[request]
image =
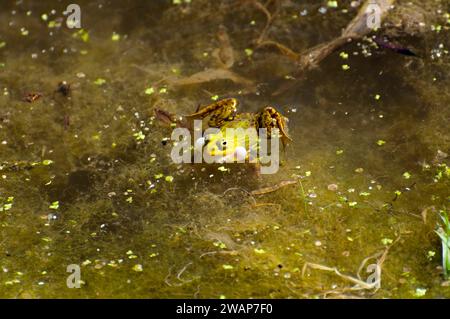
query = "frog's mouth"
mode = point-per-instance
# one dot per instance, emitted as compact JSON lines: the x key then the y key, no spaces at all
{"x":239,"y":155}
{"x":223,"y":150}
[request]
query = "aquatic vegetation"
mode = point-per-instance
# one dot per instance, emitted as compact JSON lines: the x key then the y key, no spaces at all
{"x":87,"y":177}
{"x":444,"y":234}
{"x":6,"y":203}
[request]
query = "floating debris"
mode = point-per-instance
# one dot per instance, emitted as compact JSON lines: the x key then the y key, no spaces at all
{"x":420,"y":292}
{"x":344,"y":55}
{"x":227,"y":267}
{"x":32,"y":97}
{"x":332,"y":4}
{"x":139,"y":136}
{"x":63,"y":88}
{"x":99,"y":81}
{"x":54,"y":205}
{"x":332,"y":187}
{"x":138,"y":268}
{"x":115,"y":36}
{"x":169,"y":179}
{"x":273,"y":188}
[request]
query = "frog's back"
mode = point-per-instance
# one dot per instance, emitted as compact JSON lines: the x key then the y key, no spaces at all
{"x":242,"y":120}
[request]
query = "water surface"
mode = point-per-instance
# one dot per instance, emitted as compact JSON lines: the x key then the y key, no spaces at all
{"x":368,"y":144}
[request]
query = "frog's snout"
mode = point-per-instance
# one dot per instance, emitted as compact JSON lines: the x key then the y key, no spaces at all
{"x":240,"y":154}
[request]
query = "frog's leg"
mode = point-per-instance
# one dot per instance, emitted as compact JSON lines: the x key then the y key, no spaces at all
{"x":219,"y":112}
{"x":270,"y":118}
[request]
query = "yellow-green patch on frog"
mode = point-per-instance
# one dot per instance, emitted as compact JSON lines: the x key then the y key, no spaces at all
{"x":239,"y":132}
{"x":219,"y":112}
{"x":244,"y":136}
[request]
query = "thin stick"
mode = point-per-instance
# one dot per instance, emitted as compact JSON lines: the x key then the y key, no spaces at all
{"x":182,"y":271}
{"x":304,"y":196}
{"x":270,"y":189}
{"x":282,"y":48}
{"x":242,"y":190}
{"x":359,"y":283}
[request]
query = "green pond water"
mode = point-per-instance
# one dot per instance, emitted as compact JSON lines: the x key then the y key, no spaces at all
{"x":88,"y":180}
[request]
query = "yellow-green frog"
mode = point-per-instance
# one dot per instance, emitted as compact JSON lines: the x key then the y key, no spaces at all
{"x":223,"y":115}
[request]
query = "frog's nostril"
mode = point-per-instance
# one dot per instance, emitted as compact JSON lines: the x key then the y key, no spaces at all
{"x":221,"y":145}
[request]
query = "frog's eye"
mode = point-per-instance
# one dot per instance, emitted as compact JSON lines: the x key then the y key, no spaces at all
{"x":221,"y":144}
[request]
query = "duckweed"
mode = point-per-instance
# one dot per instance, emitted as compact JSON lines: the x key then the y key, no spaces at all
{"x":87,"y":178}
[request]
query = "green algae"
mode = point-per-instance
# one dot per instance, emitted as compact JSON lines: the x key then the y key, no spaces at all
{"x":106,"y":195}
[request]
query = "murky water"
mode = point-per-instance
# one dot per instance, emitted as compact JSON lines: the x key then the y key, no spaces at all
{"x":94,"y":184}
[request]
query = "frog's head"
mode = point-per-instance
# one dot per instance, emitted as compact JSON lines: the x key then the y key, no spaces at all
{"x":224,"y":147}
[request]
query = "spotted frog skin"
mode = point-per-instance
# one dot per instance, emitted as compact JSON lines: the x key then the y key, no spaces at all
{"x":223,"y":115}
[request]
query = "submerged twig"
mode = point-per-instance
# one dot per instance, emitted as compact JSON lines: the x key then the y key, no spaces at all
{"x":270,"y":189}
{"x":241,"y":190}
{"x":269,"y":18}
{"x":294,"y":56}
{"x":355,"y":30}
{"x":210,"y":75}
{"x":182,"y":271}
{"x":225,"y":59}
{"x":183,"y":281}
{"x":225,"y":53}
{"x":225,"y":252}
{"x":304,"y":196}
{"x":359,"y":283}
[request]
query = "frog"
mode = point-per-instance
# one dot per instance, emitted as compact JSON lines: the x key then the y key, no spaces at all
{"x":223,"y":115}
